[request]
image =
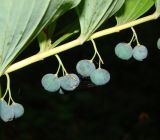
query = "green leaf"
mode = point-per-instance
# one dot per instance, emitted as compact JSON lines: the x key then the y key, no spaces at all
{"x":93,"y":13}
{"x":55,"y":10}
{"x":50,"y":29}
{"x":22,"y":20}
{"x":44,"y":37}
{"x":133,"y":9}
{"x":157,"y":3}
{"x":19,"y":24}
{"x":63,"y":38}
{"x":0,"y":91}
{"x":42,"y":40}
{"x":45,"y":43}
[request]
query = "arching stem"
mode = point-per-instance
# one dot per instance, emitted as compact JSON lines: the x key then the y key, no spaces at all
{"x":135,"y":34}
{"x":61,"y":63}
{"x":58,"y":69}
{"x":132,"y":39}
{"x":8,"y":90}
{"x":96,"y":52}
{"x":99,"y":64}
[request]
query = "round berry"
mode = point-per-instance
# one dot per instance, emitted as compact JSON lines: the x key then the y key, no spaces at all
{"x":50,"y":82}
{"x":85,"y":67}
{"x":158,"y":43}
{"x":123,"y":51}
{"x":100,"y":76}
{"x":69,"y":82}
{"x":18,"y":110}
{"x":6,"y":113}
{"x":140,"y":52}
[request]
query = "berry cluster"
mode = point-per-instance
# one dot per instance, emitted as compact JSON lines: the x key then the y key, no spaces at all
{"x":124,"y":51}
{"x":86,"y":68}
{"x":52,"y":83}
{"x":69,"y":82}
{"x":10,"y":110}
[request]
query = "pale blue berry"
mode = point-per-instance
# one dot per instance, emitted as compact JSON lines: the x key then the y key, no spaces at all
{"x":158,"y":43}
{"x":123,"y":51}
{"x":85,"y":67}
{"x":18,"y":110}
{"x":69,"y":82}
{"x":6,"y":113}
{"x":100,"y":77}
{"x":140,"y":52}
{"x":50,"y":82}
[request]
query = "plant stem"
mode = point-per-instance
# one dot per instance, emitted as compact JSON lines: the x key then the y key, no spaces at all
{"x":132,"y":39}
{"x":96,"y":51}
{"x":8,"y":86}
{"x":124,"y":26}
{"x":58,"y":70}
{"x":135,"y":34}
{"x":61,"y":63}
{"x":8,"y":90}
{"x":76,"y":42}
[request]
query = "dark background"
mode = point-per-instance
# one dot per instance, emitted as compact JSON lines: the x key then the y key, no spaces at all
{"x":127,"y":108}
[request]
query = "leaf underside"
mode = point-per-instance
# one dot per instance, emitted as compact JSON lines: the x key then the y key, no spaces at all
{"x":157,"y":3}
{"x":22,"y":20}
{"x":133,"y":9}
{"x":93,"y":14}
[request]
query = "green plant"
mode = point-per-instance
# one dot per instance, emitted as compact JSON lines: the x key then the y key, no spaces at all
{"x":37,"y":18}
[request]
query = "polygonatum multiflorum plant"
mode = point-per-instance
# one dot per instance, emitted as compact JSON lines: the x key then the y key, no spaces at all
{"x":21,"y":21}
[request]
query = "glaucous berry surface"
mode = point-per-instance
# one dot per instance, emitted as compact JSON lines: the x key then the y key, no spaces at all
{"x":100,"y":77}
{"x":6,"y":113}
{"x":123,"y":51}
{"x":158,"y":43}
{"x":140,"y":52}
{"x":69,"y":82}
{"x":50,"y":82}
{"x":85,"y":67}
{"x":17,"y":109}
